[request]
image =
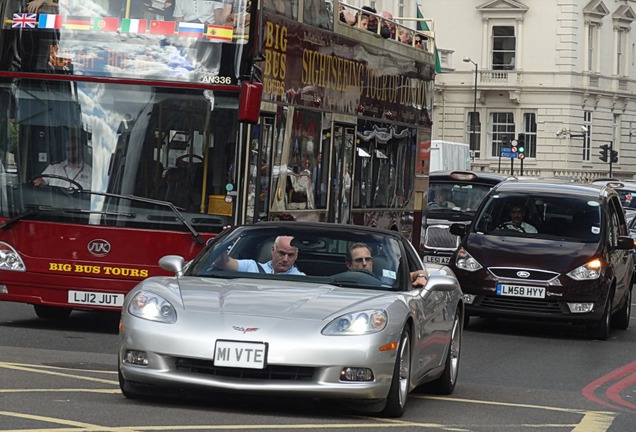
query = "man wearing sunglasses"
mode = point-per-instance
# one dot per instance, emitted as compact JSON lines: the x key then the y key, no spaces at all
{"x":360,"y":258}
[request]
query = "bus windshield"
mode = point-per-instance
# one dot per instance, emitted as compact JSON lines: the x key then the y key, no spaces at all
{"x":147,"y":142}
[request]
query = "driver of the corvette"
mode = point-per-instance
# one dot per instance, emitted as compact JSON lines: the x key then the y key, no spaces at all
{"x":360,"y":258}
{"x":283,"y":260}
{"x":516,"y":223}
{"x":73,"y":168}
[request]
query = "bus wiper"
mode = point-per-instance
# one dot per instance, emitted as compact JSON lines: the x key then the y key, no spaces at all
{"x":45,"y":209}
{"x":197,"y":237}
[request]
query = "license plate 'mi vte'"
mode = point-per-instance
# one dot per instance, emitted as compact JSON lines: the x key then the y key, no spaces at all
{"x":251,"y":355}
{"x":520,"y":291}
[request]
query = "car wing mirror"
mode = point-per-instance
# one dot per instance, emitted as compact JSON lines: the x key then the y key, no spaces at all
{"x":625,"y":243}
{"x":172,"y":263}
{"x":458,"y":229}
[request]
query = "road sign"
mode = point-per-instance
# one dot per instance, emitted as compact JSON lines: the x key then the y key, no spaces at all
{"x":506,"y":153}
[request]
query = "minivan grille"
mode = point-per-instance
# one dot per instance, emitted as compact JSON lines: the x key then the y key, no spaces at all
{"x":521,"y":305}
{"x":439,"y":237}
{"x":511,"y":273}
{"x":270,"y":373}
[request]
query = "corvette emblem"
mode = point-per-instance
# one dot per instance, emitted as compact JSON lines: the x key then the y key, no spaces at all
{"x":523,"y":274}
{"x":245,"y":329}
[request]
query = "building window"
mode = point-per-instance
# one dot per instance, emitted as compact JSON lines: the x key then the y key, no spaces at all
{"x":587,"y":135}
{"x":503,"y":47}
{"x":473,"y":132}
{"x":503,"y":130}
{"x":530,"y":134}
{"x":591,"y":47}
{"x":621,"y":41}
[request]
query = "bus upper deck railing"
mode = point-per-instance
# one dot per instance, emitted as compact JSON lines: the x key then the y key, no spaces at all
{"x":352,"y":16}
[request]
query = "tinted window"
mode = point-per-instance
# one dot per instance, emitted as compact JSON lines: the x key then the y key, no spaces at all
{"x":541,"y":216}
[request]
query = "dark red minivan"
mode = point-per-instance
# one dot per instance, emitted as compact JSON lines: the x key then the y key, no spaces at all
{"x":545,"y":249}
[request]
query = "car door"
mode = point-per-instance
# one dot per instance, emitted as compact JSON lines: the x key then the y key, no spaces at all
{"x":620,"y":259}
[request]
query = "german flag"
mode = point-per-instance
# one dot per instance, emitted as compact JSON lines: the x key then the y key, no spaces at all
{"x":220,"y":33}
{"x":78,"y":23}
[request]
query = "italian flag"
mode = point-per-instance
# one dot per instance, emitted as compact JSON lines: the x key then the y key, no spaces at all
{"x":133,"y":25}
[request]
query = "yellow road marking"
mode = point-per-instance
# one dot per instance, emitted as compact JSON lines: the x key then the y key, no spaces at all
{"x":26,"y":368}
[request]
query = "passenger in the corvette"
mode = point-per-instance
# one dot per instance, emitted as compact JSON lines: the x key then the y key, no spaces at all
{"x":359,"y":258}
{"x":283,"y":260}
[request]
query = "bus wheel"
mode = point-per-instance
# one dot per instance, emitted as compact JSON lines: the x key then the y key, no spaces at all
{"x":52,"y":312}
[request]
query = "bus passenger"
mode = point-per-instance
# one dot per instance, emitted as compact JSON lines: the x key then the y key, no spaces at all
{"x":73,"y":168}
{"x":200,"y":11}
{"x":35,"y":5}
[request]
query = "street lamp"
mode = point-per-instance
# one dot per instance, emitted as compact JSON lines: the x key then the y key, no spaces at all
{"x":473,"y":118}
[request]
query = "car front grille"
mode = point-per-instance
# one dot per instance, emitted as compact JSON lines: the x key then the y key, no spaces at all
{"x":439,"y":237}
{"x":270,"y":373}
{"x":520,"y":305}
{"x":513,"y":273}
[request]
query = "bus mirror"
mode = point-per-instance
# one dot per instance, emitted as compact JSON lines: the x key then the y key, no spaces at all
{"x":250,"y":103}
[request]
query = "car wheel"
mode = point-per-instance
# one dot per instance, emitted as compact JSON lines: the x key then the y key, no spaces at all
{"x":601,"y":329}
{"x":445,"y":384}
{"x":399,"y":391}
{"x":52,"y":312}
{"x":620,"y":320}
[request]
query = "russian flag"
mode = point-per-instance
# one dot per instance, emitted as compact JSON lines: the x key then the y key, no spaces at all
{"x":50,"y":21}
{"x":190,"y":29}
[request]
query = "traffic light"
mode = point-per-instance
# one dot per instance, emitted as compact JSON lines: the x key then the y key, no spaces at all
{"x":604,"y":152}
{"x":614,"y":157}
{"x":521,"y":146}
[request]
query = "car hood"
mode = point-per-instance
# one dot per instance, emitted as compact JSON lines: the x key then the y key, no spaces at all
{"x":551,"y":255}
{"x":281,"y":299}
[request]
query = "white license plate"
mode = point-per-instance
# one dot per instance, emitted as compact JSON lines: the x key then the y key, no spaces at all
{"x":436,"y":259}
{"x":250,"y":355}
{"x":95,"y":298}
{"x":520,"y":291}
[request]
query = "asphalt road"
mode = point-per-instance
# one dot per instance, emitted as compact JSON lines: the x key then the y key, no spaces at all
{"x":514,"y":376}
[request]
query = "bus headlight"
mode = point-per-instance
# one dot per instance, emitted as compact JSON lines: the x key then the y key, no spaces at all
{"x":10,"y":259}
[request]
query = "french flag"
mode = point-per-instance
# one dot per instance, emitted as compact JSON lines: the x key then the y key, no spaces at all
{"x":50,"y":21}
{"x":190,"y":29}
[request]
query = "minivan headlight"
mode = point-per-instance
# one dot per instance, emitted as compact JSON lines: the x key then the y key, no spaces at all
{"x":588,"y":271}
{"x":465,"y":261}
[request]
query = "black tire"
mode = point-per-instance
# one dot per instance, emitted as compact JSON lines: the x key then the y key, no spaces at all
{"x":446,"y":382}
{"x":620,"y":320}
{"x":601,"y":330}
{"x":401,"y":381}
{"x":52,"y":312}
{"x":466,"y":321}
{"x":126,"y":388}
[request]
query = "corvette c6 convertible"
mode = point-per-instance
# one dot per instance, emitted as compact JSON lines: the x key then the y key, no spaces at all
{"x":281,"y":307}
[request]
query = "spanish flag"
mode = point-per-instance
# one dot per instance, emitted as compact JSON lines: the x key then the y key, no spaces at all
{"x":78,"y":23}
{"x":220,"y":33}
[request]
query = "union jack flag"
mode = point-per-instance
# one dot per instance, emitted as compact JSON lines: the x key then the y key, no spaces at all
{"x":24,"y":20}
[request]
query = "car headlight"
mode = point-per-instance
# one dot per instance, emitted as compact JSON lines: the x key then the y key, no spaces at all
{"x":10,"y":259}
{"x":588,"y":271}
{"x":465,"y":261}
{"x":152,"y":307}
{"x":357,"y":323}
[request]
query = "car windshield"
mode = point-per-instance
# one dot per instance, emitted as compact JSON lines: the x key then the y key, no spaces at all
{"x":541,"y":216}
{"x":320,"y":257}
{"x":446,"y":198}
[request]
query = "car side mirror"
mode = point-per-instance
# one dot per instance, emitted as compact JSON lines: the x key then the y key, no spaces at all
{"x":625,"y":243}
{"x":458,"y":229}
{"x":172,"y":263}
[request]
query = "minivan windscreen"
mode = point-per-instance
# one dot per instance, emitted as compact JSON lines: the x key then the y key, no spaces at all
{"x":540,"y":216}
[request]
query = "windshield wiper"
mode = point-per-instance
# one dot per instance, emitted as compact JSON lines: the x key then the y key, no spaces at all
{"x":47,"y":209}
{"x":197,"y":237}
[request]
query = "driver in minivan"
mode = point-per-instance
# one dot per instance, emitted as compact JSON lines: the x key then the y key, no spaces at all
{"x":516,"y":223}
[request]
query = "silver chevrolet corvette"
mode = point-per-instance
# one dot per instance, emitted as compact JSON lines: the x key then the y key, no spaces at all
{"x":282,"y":307}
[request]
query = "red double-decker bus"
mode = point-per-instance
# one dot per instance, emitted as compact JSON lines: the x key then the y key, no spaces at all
{"x":135,"y":129}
